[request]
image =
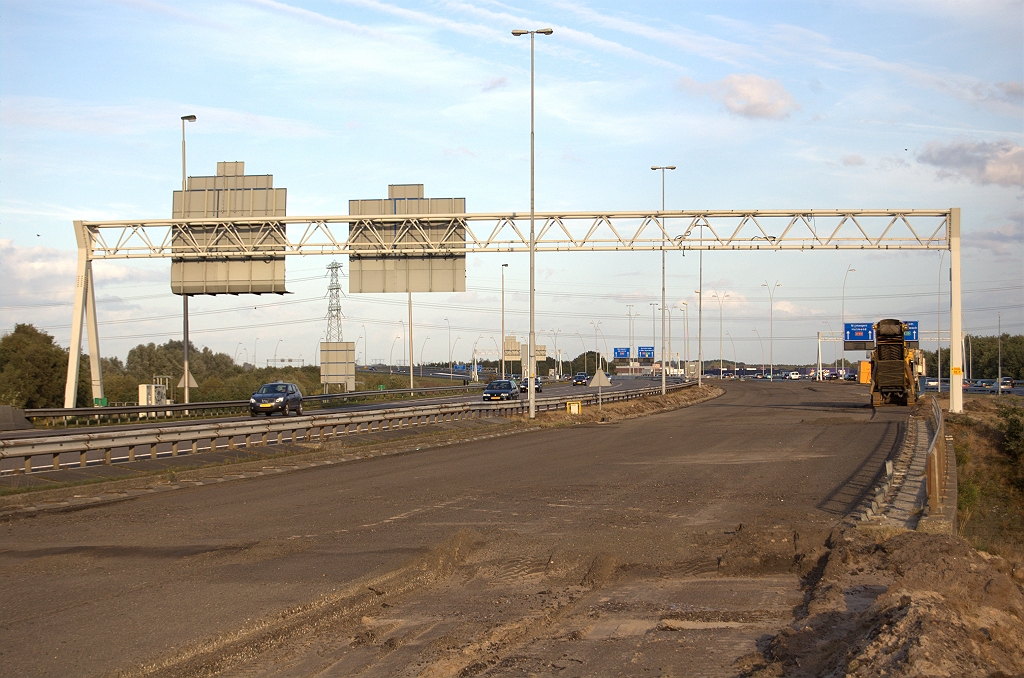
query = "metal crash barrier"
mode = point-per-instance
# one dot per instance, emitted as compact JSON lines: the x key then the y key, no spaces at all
{"x":131,"y":445}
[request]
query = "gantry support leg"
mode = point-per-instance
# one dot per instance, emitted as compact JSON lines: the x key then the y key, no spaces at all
{"x":956,"y":354}
{"x":81,"y":285}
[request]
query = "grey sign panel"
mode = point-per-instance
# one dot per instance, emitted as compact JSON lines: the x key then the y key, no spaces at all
{"x":338,"y":363}
{"x":233,"y":269}
{"x":440,"y":272}
{"x":858,"y":346}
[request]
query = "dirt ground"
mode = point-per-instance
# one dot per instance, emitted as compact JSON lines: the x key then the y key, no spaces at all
{"x":911,"y":604}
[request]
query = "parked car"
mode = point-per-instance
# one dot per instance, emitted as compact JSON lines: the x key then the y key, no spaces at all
{"x":793,"y":375}
{"x":502,"y":389}
{"x":524,"y":386}
{"x":850,"y":377}
{"x":276,"y":397}
{"x":581,"y":379}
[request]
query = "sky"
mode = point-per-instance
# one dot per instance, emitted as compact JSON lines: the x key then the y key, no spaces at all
{"x":760,"y":105}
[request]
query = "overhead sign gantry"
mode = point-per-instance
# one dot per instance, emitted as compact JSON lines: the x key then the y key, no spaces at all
{"x":456,"y":235}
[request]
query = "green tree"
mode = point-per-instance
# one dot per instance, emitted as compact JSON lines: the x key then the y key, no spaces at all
{"x":33,"y":370}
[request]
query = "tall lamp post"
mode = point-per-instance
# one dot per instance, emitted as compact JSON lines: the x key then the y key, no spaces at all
{"x":771,"y":325}
{"x":584,"y":350}
{"x":449,"y":346}
{"x":663,"y":168}
{"x":762,"y":349}
{"x":938,"y":327}
{"x":423,"y":346}
{"x":184,"y":215}
{"x":503,"y":267}
{"x":721,"y":300}
{"x":842,"y":328}
{"x":533,"y":241}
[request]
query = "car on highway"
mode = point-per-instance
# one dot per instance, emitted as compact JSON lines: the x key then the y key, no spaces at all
{"x":278,"y":396}
{"x":580,"y":379}
{"x":524,"y":385}
{"x":1005,"y":384}
{"x":794,"y":375}
{"x":501,"y":389}
{"x":850,"y":376}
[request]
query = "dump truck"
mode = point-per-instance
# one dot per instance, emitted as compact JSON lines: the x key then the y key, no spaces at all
{"x":894,"y":365}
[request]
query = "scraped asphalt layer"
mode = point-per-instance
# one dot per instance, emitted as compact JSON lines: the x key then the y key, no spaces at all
{"x":663,"y":545}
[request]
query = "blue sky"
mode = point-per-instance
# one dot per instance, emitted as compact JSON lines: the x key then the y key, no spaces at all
{"x":896,"y":104}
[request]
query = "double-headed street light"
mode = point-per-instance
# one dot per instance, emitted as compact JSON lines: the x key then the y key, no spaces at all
{"x":663,"y":168}
{"x":849,"y":269}
{"x":771,"y":325}
{"x":502,"y":349}
{"x":533,"y":242}
{"x":721,"y":300}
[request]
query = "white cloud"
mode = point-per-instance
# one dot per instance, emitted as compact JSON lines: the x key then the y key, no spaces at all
{"x":142,"y":118}
{"x":853,"y":160}
{"x":997,"y":162}
{"x":1002,"y":241}
{"x":747,"y":95}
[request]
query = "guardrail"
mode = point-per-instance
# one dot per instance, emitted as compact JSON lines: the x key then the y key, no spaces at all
{"x":940,"y":474}
{"x":317,"y":427}
{"x":53,"y":417}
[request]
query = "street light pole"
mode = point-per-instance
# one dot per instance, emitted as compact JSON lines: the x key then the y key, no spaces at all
{"x":503,"y":267}
{"x":721,"y":300}
{"x":533,"y":240}
{"x":771,"y":325}
{"x":584,"y":350}
{"x":449,"y":347}
{"x":849,"y":269}
{"x":421,"y":354}
{"x":184,"y":215}
{"x":700,"y":308}
{"x":663,"y":168}
{"x":762,"y":349}
{"x":938,"y":327}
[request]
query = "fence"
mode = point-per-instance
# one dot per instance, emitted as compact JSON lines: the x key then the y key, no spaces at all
{"x":940,"y":474}
{"x":176,"y":440}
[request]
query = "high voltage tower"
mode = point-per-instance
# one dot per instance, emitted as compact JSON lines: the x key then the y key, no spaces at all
{"x":334,"y":306}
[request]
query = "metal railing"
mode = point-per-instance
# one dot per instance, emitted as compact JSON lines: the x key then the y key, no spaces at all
{"x":129,"y":445}
{"x":939,"y":478}
{"x":53,"y":417}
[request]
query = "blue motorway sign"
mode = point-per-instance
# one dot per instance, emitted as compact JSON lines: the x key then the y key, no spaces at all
{"x":858,"y":332}
{"x":645,"y":352}
{"x":911,"y":333}
{"x":621,"y":353}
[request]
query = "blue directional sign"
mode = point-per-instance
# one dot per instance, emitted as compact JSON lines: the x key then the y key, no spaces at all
{"x":858,"y":332}
{"x":621,"y":353}
{"x":645,"y":352}
{"x":911,"y":332}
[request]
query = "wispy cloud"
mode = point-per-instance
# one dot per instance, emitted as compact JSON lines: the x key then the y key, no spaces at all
{"x":1002,"y":241}
{"x":999,"y":162}
{"x":853,"y":160}
{"x":747,"y":95}
{"x":141,"y":118}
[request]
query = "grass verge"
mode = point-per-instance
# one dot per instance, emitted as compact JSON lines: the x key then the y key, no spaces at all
{"x":990,"y":474}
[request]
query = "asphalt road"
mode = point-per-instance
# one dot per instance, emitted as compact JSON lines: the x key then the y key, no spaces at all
{"x":497,"y":557}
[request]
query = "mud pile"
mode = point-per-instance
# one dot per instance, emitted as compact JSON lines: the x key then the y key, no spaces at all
{"x":911,"y":604}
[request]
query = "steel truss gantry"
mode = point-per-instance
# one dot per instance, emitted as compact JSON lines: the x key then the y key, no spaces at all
{"x":419,"y":235}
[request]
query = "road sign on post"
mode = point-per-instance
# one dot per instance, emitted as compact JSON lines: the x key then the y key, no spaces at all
{"x":910,"y":335}
{"x":621,"y":353}
{"x":858,"y":337}
{"x":645,"y":352}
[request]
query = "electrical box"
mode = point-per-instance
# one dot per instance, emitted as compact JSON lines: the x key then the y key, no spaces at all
{"x":864,"y":372}
{"x":152,"y":394}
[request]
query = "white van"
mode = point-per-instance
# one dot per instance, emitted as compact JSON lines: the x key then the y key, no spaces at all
{"x":793,"y":375}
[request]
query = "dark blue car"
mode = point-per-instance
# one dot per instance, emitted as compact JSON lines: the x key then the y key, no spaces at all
{"x":501,"y":389}
{"x":277,"y":397}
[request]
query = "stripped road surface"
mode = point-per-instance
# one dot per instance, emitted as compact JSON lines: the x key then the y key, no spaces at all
{"x":662,"y":545}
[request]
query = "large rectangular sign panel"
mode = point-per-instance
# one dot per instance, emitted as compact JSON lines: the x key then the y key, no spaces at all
{"x":440,"y":271}
{"x":910,"y":334}
{"x":338,"y":363}
{"x":643,"y":352}
{"x":858,"y":337}
{"x":621,"y":353}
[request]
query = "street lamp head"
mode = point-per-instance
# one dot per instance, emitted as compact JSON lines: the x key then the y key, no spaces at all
{"x":670,"y":167}
{"x":517,"y":33}
{"x":546,"y":31}
{"x":504,"y":265}
{"x":188,"y":118}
